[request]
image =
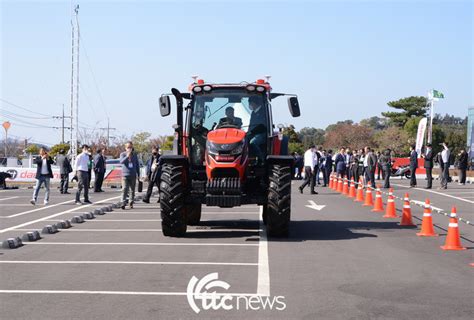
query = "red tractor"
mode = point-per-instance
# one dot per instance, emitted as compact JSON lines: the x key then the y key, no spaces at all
{"x":227,"y":153}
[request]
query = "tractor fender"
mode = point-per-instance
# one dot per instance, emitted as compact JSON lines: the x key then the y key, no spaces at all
{"x":175,"y":159}
{"x":279,"y":159}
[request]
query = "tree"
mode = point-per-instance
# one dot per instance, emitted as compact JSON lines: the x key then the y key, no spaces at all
{"x":296,"y":147}
{"x":410,"y":107}
{"x":332,"y":126}
{"x":32,"y":149}
{"x":309,"y":136}
{"x":393,"y":138}
{"x":168,"y":143}
{"x":375,"y":123}
{"x":141,"y":143}
{"x":55,"y":149}
{"x":291,"y":133}
{"x":348,"y":135}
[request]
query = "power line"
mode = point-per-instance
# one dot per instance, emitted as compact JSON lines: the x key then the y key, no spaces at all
{"x":23,"y":116}
{"x":23,"y":108}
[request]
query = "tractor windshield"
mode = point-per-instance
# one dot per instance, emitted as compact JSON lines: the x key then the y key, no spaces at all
{"x":227,"y":108}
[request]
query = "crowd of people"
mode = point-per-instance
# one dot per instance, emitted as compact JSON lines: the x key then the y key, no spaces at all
{"x":366,"y":163}
{"x":86,"y":163}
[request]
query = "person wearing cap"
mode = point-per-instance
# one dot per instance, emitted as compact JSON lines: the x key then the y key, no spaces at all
{"x":256,"y":134}
{"x":428,"y":156}
{"x":153,"y":173}
{"x":310,"y":161}
{"x":64,"y":170}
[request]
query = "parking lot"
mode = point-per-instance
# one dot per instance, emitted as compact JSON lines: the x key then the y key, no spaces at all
{"x":340,"y":262}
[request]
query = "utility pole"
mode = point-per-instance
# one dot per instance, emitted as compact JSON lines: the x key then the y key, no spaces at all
{"x":62,"y":124}
{"x":74,"y":82}
{"x":108,"y":131}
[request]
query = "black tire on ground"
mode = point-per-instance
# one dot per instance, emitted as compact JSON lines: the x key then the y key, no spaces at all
{"x":193,"y":214}
{"x":172,"y":188}
{"x":279,"y":201}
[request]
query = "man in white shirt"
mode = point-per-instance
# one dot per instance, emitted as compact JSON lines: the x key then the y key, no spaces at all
{"x":310,"y":162}
{"x":445,"y":155}
{"x":82,"y":173}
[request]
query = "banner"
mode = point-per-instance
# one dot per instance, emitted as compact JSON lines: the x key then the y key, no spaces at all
{"x":420,"y":135}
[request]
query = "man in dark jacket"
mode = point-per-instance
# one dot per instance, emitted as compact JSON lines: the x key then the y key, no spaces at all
{"x":64,"y":170}
{"x":462,"y":166}
{"x":340,"y":163}
{"x":153,"y":173}
{"x":385,"y":163}
{"x":130,"y":174}
{"x":257,"y":128}
{"x":370,"y":164}
{"x":328,"y":164}
{"x":413,"y":165}
{"x":99,"y":170}
{"x":428,"y":156}
{"x":43,"y":175}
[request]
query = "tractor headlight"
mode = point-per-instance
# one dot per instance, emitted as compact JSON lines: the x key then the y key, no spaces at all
{"x":238,"y":148}
{"x":212,"y":147}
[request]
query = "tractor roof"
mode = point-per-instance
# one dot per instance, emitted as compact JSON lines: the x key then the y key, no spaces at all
{"x":243,"y":84}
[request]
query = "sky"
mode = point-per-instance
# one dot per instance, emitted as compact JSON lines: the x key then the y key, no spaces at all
{"x":344,"y":59}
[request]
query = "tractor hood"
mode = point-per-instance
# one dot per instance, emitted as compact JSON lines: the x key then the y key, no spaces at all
{"x":226,"y":136}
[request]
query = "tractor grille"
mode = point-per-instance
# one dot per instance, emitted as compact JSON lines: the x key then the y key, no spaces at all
{"x":224,"y":186}
{"x":225,"y":173}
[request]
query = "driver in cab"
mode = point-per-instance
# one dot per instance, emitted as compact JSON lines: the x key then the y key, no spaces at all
{"x":230,"y":119}
{"x":257,"y":128}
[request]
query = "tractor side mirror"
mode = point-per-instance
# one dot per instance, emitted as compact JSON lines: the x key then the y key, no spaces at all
{"x":165,"y":106}
{"x":294,"y":107}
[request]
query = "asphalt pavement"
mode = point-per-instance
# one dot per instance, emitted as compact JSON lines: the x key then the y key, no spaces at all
{"x":341,"y":261}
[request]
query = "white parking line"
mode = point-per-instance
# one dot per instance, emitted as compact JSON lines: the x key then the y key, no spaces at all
{"x":436,"y":192}
{"x":54,"y":215}
{"x":114,"y":220}
{"x":38,"y":209}
{"x":130,"y":293}
{"x":147,"y":230}
{"x":263,"y":283}
{"x":9,"y":198}
{"x":206,"y":244}
{"x":133,"y":262}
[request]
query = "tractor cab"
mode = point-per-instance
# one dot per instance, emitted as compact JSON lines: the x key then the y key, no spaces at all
{"x":226,"y":146}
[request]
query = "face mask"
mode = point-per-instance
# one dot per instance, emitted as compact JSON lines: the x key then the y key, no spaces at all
{"x":155,"y":153}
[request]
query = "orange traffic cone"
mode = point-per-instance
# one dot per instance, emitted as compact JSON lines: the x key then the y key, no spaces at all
{"x":345,"y":187}
{"x":427,"y":229}
{"x":339,"y":185}
{"x":352,"y":190}
{"x":378,"y":206}
{"x":369,"y":201}
{"x":330,"y":181}
{"x":391,"y":211}
{"x":453,"y":240}
{"x":360,"y":192}
{"x":406,"y":213}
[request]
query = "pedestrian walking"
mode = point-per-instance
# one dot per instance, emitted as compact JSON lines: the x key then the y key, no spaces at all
{"x":309,"y":166}
{"x":99,"y":170}
{"x":153,"y":173}
{"x":428,"y":156}
{"x":316,"y":167}
{"x":385,"y":163}
{"x":82,"y":174}
{"x":43,"y":175}
{"x":130,"y":174}
{"x":445,"y":156}
{"x":319,"y":154}
{"x":65,"y":169}
{"x":413,"y":166}
{"x":462,"y":166}
{"x":328,"y":165}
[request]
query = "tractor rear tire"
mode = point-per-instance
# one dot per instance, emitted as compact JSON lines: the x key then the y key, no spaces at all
{"x":172,"y":189}
{"x":279,"y":201}
{"x":193,"y":214}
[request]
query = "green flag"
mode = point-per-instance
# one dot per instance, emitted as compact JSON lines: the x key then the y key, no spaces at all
{"x":438,"y":94}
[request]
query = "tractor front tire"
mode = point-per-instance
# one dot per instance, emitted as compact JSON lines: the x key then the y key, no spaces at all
{"x":278,"y":210}
{"x":193,"y":214}
{"x":172,"y":189}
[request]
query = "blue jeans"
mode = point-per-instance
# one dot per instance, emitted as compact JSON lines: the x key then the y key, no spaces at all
{"x":39,"y":182}
{"x":255,"y":146}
